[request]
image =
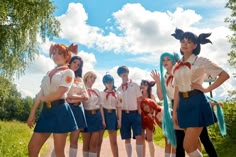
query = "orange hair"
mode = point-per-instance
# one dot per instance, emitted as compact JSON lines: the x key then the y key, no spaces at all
{"x":67,"y":51}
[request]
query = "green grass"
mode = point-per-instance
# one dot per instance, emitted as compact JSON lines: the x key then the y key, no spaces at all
{"x":14,"y":138}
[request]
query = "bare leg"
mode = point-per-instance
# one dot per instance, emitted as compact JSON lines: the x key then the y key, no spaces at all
{"x":86,"y":139}
{"x":93,"y":143}
{"x":59,"y":144}
{"x":36,"y":142}
{"x":150,"y":142}
{"x":100,"y":139}
{"x":113,"y":143}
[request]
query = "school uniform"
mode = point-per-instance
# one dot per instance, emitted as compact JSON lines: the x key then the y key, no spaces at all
{"x":110,"y":102}
{"x":78,"y":88}
{"x":56,"y":116}
{"x":194,"y":110}
{"x":92,"y":111}
{"x":130,"y":116}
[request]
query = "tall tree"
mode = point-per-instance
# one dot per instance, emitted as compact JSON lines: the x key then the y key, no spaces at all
{"x":232,"y":39}
{"x":21,"y":22}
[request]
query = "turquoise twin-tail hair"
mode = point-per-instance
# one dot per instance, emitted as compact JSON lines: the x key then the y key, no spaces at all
{"x":220,"y":116}
{"x":167,"y":123}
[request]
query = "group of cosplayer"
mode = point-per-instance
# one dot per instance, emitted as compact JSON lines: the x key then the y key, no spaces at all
{"x":71,"y":104}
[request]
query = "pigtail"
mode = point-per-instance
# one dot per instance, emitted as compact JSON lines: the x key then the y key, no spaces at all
{"x":73,"y":49}
{"x":202,"y":38}
{"x":178,"y":34}
{"x":220,"y":117}
{"x":152,"y":83}
{"x":167,"y":123}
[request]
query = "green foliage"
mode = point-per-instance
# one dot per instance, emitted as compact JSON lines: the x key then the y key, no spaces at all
{"x":225,"y":145}
{"x":21,"y":21}
{"x":12,"y":105}
{"x":14,"y":139}
{"x":232,"y":26}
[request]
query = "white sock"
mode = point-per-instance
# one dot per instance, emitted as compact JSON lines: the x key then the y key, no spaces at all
{"x":128,"y":148}
{"x":195,"y":153}
{"x":73,"y":152}
{"x":139,"y":150}
{"x":173,"y":155}
{"x":92,"y":154}
{"x":53,"y":153}
{"x":151,"y":148}
{"x":85,"y":154}
{"x":167,"y":154}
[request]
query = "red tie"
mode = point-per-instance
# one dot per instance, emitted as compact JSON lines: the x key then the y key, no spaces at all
{"x":55,"y":70}
{"x":169,"y":79}
{"x":90,"y":91}
{"x":124,"y":86}
{"x":179,"y":64}
{"x":112,"y":93}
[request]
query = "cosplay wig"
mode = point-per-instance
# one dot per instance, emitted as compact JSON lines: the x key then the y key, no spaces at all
{"x":122,"y":69}
{"x":107,"y":79}
{"x":67,"y":51}
{"x":79,"y":71}
{"x":150,"y":84}
{"x":201,"y":39}
{"x":87,"y":75}
{"x":167,"y":123}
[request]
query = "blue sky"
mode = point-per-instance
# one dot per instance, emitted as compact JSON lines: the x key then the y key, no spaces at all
{"x":132,"y":33}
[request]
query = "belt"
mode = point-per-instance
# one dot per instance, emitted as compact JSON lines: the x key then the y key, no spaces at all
{"x":109,"y":110}
{"x":75,"y":104}
{"x":92,"y":111}
{"x":129,"y":111}
{"x":54,"y":103}
{"x":189,"y":93}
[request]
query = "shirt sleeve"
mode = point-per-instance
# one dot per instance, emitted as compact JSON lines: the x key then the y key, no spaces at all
{"x":210,"y":67}
{"x":67,"y":78}
{"x":138,"y":91}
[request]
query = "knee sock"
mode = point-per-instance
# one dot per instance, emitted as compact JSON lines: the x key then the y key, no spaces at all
{"x":151,"y":148}
{"x":167,"y":154}
{"x":173,"y":155}
{"x":92,"y":154}
{"x":53,"y":153}
{"x":85,"y":154}
{"x":139,"y":150}
{"x":195,"y":153}
{"x":128,"y":148}
{"x":73,"y":152}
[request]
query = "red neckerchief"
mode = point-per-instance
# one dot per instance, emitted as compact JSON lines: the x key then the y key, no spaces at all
{"x":90,"y":91}
{"x":112,"y":93}
{"x":179,"y":64}
{"x":55,"y":70}
{"x":169,"y":79}
{"x":125,"y":85}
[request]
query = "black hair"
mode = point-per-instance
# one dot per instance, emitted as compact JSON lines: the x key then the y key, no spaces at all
{"x":80,"y":69}
{"x":122,"y":69}
{"x":201,"y":39}
{"x":150,"y":84}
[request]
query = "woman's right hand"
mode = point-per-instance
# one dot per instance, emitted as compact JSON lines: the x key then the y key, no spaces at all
{"x":175,"y":119}
{"x":31,"y":120}
{"x":156,"y":76}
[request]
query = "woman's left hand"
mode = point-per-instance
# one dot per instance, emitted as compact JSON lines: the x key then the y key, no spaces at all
{"x":199,"y":87}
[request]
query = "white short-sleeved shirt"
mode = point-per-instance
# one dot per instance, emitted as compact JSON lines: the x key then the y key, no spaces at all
{"x":200,"y":66}
{"x":169,"y":87}
{"x":78,"y":87}
{"x":94,"y":100}
{"x":62,"y":78}
{"x":130,"y":96}
{"x":110,"y":101}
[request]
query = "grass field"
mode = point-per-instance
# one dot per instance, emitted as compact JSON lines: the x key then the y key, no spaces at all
{"x":14,"y":139}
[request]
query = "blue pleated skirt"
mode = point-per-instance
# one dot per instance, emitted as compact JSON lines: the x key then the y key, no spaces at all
{"x":94,"y":122}
{"x":57,"y":119}
{"x":111,"y":120}
{"x":195,"y":111}
{"x":78,"y":112}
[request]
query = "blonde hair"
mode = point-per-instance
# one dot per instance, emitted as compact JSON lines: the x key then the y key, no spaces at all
{"x":87,"y":75}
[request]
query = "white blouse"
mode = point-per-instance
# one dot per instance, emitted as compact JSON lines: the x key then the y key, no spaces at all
{"x":94,"y":100}
{"x":78,"y":87}
{"x":169,"y":87}
{"x":62,"y":78}
{"x":185,"y":76}
{"x":111,"y":100}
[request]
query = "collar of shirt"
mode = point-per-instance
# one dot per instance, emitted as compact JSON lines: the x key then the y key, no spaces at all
{"x":191,"y":59}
